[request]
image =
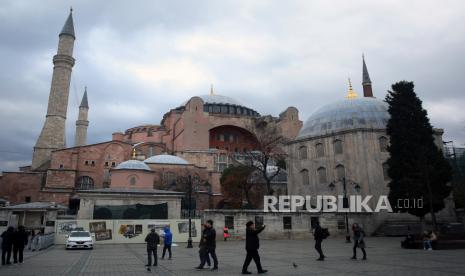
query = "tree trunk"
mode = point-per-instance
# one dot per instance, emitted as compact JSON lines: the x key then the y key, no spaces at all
{"x":422,"y":224}
{"x":430,"y":195}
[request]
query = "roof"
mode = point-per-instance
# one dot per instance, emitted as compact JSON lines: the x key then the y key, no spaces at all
{"x":68,"y":28}
{"x":36,"y":205}
{"x":133,"y":165}
{"x":130,"y":191}
{"x":166,"y":159}
{"x":366,"y":76}
{"x":348,"y":114}
{"x":84,"y":102}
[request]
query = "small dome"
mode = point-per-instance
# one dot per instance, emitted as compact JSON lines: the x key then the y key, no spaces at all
{"x":166,"y":159}
{"x":348,"y":114}
{"x":133,"y":165}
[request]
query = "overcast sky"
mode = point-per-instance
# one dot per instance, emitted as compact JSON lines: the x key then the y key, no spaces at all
{"x":141,"y":58}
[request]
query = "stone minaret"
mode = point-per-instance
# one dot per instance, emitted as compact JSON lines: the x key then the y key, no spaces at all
{"x":366,"y":82}
{"x":52,"y":136}
{"x":82,"y":123}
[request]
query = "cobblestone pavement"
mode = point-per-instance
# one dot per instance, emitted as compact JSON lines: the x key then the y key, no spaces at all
{"x":385,"y":257}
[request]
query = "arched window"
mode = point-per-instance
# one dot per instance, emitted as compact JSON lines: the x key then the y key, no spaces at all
{"x":303,"y":152}
{"x":320,"y":150}
{"x":304,"y":176}
{"x":132,"y":180}
{"x":340,"y":171}
{"x":383,"y":143}
{"x":338,"y":147}
{"x":385,"y":171}
{"x":321,"y":172}
{"x":84,"y":183}
{"x":169,"y":178}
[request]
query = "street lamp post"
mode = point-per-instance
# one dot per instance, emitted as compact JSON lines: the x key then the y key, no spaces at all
{"x":189,"y":240}
{"x":345,"y":203}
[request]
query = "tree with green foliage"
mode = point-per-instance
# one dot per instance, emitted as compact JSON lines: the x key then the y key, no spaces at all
{"x":416,"y":166}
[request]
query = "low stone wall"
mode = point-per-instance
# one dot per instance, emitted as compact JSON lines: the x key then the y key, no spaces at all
{"x":300,"y":223}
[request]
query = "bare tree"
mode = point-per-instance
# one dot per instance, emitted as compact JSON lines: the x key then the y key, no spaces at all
{"x":268,"y":158}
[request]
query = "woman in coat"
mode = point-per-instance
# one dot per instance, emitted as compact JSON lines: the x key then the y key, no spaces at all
{"x":359,"y":241}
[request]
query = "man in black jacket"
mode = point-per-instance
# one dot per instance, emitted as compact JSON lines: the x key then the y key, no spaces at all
{"x":252,"y":243}
{"x":210,"y":242}
{"x":318,"y":234}
{"x":19,"y":241}
{"x":7,"y":243}
{"x":152,"y":241}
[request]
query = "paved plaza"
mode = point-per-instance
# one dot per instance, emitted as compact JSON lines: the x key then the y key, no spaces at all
{"x":385,"y":257}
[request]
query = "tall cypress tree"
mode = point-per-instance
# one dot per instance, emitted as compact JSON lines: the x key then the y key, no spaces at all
{"x":416,"y":166}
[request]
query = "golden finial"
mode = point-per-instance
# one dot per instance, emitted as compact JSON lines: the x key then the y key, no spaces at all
{"x":211,"y":90}
{"x":134,"y":153}
{"x":352,"y":94}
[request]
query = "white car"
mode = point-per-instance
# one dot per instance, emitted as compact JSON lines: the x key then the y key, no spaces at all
{"x":79,"y":239}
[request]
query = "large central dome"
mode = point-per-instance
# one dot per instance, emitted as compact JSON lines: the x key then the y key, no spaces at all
{"x":219,"y":104}
{"x":219,"y":99}
{"x":348,"y":114}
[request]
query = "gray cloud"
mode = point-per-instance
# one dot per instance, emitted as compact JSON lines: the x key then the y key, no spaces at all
{"x":141,"y":59}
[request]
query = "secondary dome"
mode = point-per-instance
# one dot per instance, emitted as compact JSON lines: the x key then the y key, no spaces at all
{"x":348,"y":114}
{"x":166,"y":159}
{"x":133,"y":165}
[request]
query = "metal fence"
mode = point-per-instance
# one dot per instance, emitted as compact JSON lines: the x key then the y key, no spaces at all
{"x":39,"y":242}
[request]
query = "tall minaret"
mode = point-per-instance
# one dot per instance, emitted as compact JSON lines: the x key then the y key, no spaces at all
{"x":52,"y":136}
{"x":82,"y":123}
{"x":366,"y":82}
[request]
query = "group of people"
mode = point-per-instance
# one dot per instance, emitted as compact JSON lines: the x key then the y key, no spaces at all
{"x":207,"y":245}
{"x":13,"y":240}
{"x":152,"y":240}
{"x":358,"y":237}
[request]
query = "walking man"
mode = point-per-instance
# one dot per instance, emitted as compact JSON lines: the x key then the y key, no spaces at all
{"x":19,"y":242}
{"x":318,"y":235}
{"x":209,"y":237}
{"x":7,"y":243}
{"x":203,"y":254}
{"x":359,"y":241}
{"x":152,"y":241}
{"x":168,"y":240}
{"x":252,"y":243}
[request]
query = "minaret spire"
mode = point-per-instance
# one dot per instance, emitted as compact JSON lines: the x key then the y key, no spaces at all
{"x":53,"y":136}
{"x":82,"y":122}
{"x":366,"y":81}
{"x":211,"y":90}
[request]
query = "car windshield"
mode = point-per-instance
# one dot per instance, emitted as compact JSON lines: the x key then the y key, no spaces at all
{"x":80,"y":234}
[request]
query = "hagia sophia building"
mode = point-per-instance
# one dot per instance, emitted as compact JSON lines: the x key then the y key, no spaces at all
{"x":345,"y":139}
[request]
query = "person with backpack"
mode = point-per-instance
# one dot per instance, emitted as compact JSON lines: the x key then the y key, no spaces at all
{"x":359,"y":241}
{"x":152,"y":240}
{"x":320,"y":234}
{"x":168,"y":240}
